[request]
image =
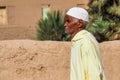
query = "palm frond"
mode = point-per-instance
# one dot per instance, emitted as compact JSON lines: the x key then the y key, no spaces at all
{"x":52,"y":27}
{"x":114,"y":10}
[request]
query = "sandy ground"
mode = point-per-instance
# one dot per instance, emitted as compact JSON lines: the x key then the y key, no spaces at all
{"x":49,"y":60}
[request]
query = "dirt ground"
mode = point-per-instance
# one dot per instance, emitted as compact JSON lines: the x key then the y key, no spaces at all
{"x":49,"y":60}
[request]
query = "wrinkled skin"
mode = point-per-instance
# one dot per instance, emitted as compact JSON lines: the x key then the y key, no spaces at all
{"x":72,"y":25}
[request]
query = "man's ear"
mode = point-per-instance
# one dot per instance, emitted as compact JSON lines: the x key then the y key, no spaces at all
{"x":80,"y":23}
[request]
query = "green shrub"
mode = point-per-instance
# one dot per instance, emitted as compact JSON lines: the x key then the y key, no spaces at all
{"x":52,"y":27}
{"x":102,"y":29}
{"x":104,"y":19}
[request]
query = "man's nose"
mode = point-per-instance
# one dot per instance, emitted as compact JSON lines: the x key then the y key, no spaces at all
{"x":65,"y":24}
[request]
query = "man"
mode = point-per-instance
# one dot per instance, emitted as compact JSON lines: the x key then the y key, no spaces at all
{"x":86,"y":63}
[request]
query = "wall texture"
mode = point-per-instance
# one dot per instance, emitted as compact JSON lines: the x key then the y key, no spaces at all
{"x":49,"y":60}
{"x":22,"y":14}
{"x":28,"y":12}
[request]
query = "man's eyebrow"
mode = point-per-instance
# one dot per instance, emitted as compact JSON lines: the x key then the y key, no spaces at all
{"x":67,"y":20}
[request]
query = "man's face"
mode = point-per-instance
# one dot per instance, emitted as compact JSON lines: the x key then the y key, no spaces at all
{"x":71,"y":25}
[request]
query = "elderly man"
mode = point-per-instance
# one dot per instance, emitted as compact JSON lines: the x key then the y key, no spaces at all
{"x":86,"y":62}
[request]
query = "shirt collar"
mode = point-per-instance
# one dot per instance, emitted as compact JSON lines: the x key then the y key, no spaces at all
{"x":79,"y":35}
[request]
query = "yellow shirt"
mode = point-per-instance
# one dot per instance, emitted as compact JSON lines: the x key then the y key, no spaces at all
{"x":86,"y":62}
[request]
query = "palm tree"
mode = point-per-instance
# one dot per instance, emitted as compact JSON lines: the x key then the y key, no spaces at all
{"x":104,"y":19}
{"x":52,"y":27}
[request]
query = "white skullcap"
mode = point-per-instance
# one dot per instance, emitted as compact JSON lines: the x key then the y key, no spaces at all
{"x":78,"y":13}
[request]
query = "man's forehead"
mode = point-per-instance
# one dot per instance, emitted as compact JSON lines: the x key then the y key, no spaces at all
{"x":68,"y":17}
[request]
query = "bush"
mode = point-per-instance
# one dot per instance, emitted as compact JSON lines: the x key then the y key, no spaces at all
{"x":104,"y":19}
{"x":102,"y":30}
{"x":52,"y":27}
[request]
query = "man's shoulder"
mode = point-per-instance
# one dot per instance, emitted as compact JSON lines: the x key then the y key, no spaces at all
{"x":86,"y":41}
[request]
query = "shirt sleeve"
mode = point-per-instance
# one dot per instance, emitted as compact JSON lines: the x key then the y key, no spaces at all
{"x":90,"y":62}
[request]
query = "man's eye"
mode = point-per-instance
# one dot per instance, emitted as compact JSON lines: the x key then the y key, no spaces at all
{"x":67,"y":21}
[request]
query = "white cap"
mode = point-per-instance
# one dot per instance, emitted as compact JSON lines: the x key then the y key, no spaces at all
{"x":78,"y":13}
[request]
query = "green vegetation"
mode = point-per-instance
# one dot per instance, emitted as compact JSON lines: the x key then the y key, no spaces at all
{"x":104,"y":22}
{"x":52,"y":27}
{"x":104,"y":19}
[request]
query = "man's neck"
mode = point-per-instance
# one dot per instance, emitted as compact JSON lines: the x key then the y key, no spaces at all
{"x":75,"y":33}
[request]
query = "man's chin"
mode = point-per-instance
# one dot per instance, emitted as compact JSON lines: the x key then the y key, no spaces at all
{"x":67,"y":32}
